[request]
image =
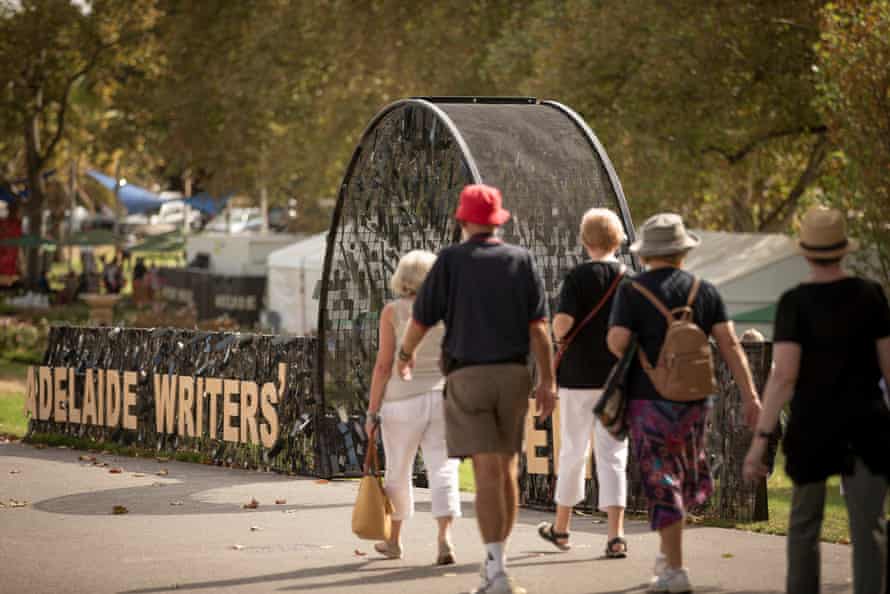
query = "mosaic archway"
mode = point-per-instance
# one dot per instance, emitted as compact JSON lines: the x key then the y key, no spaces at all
{"x":400,"y":192}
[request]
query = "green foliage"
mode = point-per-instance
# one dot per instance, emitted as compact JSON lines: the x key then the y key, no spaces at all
{"x":854,"y":58}
{"x":22,"y":342}
{"x":735,"y":114}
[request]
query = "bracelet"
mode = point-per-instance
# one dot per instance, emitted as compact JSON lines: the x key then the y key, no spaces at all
{"x":403,"y":356}
{"x":374,"y":417}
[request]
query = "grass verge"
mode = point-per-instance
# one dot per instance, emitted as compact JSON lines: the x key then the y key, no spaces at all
{"x":12,"y":416}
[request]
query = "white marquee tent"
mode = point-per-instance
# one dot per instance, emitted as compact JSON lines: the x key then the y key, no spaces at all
{"x":751,"y":271}
{"x":294,"y":276}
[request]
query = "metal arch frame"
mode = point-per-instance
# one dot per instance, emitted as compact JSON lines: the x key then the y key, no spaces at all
{"x":600,"y":150}
{"x":338,"y":210}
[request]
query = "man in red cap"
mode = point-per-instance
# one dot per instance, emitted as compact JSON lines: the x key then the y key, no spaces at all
{"x":493,"y":303}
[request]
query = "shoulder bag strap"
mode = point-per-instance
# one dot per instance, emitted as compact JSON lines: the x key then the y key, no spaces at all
{"x":568,"y":340}
{"x":372,"y":464}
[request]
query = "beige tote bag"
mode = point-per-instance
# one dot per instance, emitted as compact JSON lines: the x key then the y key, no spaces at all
{"x":372,"y":514}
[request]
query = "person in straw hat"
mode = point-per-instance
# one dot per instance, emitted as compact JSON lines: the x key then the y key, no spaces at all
{"x":832,"y":345}
{"x":668,"y":436}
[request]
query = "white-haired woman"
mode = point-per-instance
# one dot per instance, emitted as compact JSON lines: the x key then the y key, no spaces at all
{"x":411,"y":414}
{"x":585,"y":301}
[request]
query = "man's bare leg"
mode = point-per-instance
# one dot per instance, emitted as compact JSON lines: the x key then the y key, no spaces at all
{"x":491,"y":513}
{"x":511,"y":492}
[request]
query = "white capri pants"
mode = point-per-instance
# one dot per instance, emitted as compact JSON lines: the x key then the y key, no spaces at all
{"x":407,"y":424}
{"x":575,"y":419}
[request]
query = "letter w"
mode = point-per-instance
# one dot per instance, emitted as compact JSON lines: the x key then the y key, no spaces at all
{"x":165,"y":403}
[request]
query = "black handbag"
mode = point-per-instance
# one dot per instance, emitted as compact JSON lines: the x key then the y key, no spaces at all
{"x":611,"y":408}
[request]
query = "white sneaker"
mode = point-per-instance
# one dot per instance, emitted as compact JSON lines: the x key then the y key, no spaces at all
{"x":673,"y":581}
{"x":660,"y":565}
{"x":499,"y":584}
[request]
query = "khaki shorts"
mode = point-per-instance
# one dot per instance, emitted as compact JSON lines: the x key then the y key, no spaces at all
{"x":485,"y":408}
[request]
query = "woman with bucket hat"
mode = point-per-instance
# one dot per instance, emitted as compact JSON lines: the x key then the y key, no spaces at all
{"x":831,"y":348}
{"x":667,"y":435}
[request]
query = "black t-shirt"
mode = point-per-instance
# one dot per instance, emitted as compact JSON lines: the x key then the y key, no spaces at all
{"x":633,"y":311}
{"x":587,"y":361}
{"x":488,"y":293}
{"x":837,"y":410}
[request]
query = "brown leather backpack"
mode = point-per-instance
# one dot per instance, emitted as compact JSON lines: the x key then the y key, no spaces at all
{"x":685,"y":368}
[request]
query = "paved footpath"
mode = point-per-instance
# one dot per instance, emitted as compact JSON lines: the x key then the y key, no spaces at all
{"x":187,"y":531}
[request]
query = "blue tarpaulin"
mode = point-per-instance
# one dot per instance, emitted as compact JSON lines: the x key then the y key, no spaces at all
{"x":11,"y":194}
{"x":207,"y":203}
{"x":134,"y":198}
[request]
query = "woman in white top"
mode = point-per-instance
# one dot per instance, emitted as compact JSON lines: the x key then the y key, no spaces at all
{"x":411,"y":414}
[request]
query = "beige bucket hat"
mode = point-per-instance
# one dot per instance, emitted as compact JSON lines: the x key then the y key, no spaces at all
{"x":664,"y":234}
{"x":823,"y":234}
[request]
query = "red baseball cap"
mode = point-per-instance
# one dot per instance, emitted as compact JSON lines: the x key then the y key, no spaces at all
{"x":481,"y":204}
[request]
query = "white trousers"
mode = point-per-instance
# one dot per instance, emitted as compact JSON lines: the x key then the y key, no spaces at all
{"x":408,"y":424}
{"x":575,"y":420}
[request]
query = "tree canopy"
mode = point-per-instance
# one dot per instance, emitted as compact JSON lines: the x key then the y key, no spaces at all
{"x":733,"y":113}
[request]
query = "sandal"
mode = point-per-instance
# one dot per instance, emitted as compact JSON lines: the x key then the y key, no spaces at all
{"x":545,"y":531}
{"x":389,"y":550}
{"x":446,"y":554}
{"x":616,"y":548}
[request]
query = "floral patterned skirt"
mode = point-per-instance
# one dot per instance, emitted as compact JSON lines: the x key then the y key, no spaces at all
{"x":669,"y":445}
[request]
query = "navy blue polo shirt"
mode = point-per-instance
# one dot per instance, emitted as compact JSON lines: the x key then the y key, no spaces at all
{"x":488,"y":293}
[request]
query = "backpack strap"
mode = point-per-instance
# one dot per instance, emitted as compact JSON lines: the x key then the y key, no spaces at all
{"x":655,"y":301}
{"x":685,"y":312}
{"x":644,"y":360}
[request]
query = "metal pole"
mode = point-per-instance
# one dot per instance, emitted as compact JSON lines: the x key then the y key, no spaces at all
{"x":73,"y":196}
{"x":264,"y":209}
{"x":185,"y":205}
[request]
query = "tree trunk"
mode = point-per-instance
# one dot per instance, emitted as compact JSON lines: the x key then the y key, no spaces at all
{"x":36,"y":199}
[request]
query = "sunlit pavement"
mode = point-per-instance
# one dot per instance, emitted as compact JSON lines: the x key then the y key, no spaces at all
{"x":186,"y":529}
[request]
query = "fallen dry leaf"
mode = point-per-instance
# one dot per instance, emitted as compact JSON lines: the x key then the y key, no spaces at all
{"x":15,"y":471}
{"x":727,"y":555}
{"x":119,"y":510}
{"x":253,"y":504}
{"x":17,"y":503}
{"x":177,"y":502}
{"x":322,"y":482}
{"x":843,"y":541}
{"x":281,"y":502}
{"x":162,"y":459}
{"x":138,"y":475}
{"x":115,"y":470}
{"x":86,"y":458}
{"x":238,"y":547}
{"x":290,"y":511}
{"x":255,"y":528}
{"x":359,"y":553}
{"x":163,"y":472}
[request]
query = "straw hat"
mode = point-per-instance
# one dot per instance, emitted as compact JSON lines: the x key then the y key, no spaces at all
{"x":664,"y":234}
{"x":823,"y":234}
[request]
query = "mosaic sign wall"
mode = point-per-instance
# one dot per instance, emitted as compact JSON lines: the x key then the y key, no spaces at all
{"x":239,"y":399}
